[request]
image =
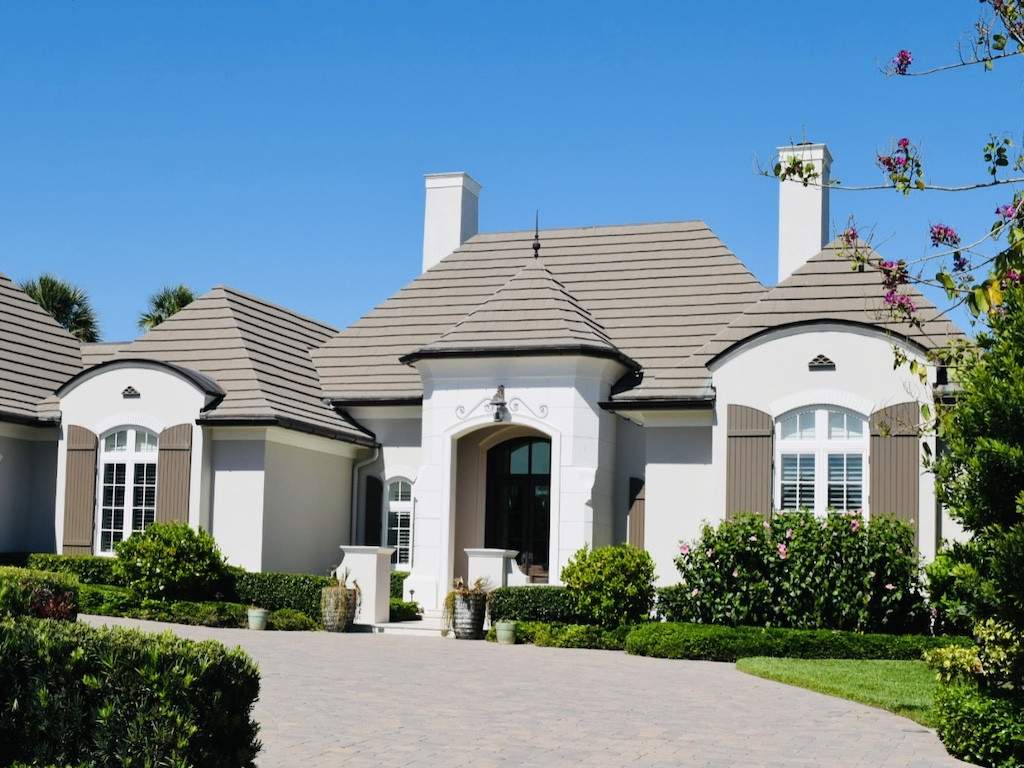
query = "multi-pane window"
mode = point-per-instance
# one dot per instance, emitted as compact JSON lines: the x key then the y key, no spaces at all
{"x":127,"y":492}
{"x":398,"y":521}
{"x":820,"y":458}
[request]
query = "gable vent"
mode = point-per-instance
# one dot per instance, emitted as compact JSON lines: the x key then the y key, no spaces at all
{"x":130,"y":393}
{"x":821,"y":363}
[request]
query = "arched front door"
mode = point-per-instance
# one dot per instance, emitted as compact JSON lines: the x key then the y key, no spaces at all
{"x":519,"y":502}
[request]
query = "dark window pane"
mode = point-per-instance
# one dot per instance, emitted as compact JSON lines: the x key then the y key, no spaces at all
{"x":541,"y":461}
{"x":519,"y":460}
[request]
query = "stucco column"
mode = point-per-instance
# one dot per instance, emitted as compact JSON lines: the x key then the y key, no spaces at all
{"x":489,"y":565}
{"x":370,"y":567}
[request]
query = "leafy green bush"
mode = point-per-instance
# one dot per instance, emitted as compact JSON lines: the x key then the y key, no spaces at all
{"x":718,"y":643}
{"x":71,"y":694}
{"x":168,"y":561}
{"x":981,"y":727}
{"x":554,"y":635}
{"x":290,"y":620}
{"x":90,"y":569}
{"x":274,"y":591}
{"x":25,"y":592}
{"x":532,"y":603}
{"x":118,"y":601}
{"x":801,"y":571}
{"x":404,"y":610}
{"x":611,"y":586}
{"x":398,"y":583}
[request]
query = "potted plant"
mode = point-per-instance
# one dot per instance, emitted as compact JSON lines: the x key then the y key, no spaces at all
{"x":338,"y":603}
{"x":464,"y":610}
{"x":505,"y":632}
{"x":258,"y":617}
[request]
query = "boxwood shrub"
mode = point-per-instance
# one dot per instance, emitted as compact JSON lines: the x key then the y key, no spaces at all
{"x":117,"y":601}
{"x":533,"y":603}
{"x":718,"y":643}
{"x":549,"y":635}
{"x":404,"y":610}
{"x":90,"y":569}
{"x":170,"y":561}
{"x":983,"y":727}
{"x":71,"y":694}
{"x":611,"y":586}
{"x":290,"y":620}
{"x":398,"y":583}
{"x":274,"y":591}
{"x":44,"y":595}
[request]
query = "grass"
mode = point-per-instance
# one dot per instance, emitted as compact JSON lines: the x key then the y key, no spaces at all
{"x":904,"y":687}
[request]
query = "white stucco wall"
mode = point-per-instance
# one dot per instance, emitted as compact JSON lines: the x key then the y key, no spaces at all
{"x":28,"y":473}
{"x":237,"y":484}
{"x":96,"y":403}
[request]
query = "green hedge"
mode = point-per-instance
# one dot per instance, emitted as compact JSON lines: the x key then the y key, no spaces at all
{"x":397,"y":583}
{"x":549,"y":635}
{"x":535,"y":603}
{"x":90,"y":569}
{"x":718,"y":643}
{"x":404,"y":610}
{"x":71,"y":694}
{"x":983,"y":728}
{"x":611,"y":586}
{"x":290,"y":620}
{"x":274,"y":591}
{"x":44,"y":595}
{"x":117,"y":601}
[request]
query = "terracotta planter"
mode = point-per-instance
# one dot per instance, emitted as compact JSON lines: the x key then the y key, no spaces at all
{"x":468,"y":621}
{"x":338,"y":608}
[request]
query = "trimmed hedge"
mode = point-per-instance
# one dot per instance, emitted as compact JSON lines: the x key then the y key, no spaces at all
{"x":44,"y":595}
{"x":117,"y":601}
{"x":398,"y":583}
{"x":986,"y":728}
{"x":274,"y":591}
{"x":290,"y":620}
{"x":71,"y":693}
{"x":535,"y":603}
{"x":90,"y":569}
{"x":404,"y":610}
{"x":548,"y":635}
{"x":717,"y":643}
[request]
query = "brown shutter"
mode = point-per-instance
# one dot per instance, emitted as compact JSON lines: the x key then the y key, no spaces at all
{"x":374,"y":509}
{"x":748,"y":474}
{"x":173,"y":471}
{"x":79,"y":491}
{"x":895,"y":462}
{"x":637,"y":506}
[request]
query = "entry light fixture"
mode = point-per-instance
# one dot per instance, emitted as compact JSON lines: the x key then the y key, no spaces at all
{"x":498,"y":408}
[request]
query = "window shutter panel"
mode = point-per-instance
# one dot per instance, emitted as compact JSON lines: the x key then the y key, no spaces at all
{"x":173,"y":472}
{"x":748,"y":475}
{"x":79,"y":491}
{"x":374,"y":507}
{"x":895,"y":462}
{"x":637,"y":508}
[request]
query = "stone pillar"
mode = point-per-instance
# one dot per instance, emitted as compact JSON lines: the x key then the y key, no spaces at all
{"x":370,"y":567}
{"x":489,"y":564}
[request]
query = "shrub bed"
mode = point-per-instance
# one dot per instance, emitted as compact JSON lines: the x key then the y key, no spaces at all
{"x":718,"y":643}
{"x":118,"y":601}
{"x":535,"y":603}
{"x":983,"y":727}
{"x":290,"y":620}
{"x":798,"y":570}
{"x":274,"y":591}
{"x":568,"y":635}
{"x":72,"y":694}
{"x":44,"y":595}
{"x":404,"y":610}
{"x":90,"y":569}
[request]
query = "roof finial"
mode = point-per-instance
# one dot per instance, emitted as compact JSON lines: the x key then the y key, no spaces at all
{"x":536,"y":234}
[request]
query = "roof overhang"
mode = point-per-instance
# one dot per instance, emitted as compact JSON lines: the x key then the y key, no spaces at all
{"x":665,"y":411}
{"x":202,"y":382}
{"x":10,"y":417}
{"x":560,"y":350}
{"x":286,"y":423}
{"x":360,"y":402}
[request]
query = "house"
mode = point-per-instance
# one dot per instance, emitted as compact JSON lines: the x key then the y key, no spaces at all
{"x":529,"y":393}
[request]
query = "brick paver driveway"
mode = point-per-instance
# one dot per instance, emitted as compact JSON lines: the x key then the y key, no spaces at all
{"x":359,"y":700}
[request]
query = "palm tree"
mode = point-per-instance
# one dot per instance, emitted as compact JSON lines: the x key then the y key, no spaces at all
{"x":66,"y":303}
{"x":165,"y":303}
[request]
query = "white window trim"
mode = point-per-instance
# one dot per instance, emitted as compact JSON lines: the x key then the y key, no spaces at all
{"x":400,"y":506}
{"x":821,"y":446}
{"x":129,"y":458}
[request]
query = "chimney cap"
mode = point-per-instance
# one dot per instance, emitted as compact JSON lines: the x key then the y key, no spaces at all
{"x":807,"y":149}
{"x":452,"y":179}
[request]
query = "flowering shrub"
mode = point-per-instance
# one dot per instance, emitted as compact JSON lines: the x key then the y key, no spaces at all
{"x":798,"y":570}
{"x":170,"y":560}
{"x":44,"y":595}
{"x":610,"y":586}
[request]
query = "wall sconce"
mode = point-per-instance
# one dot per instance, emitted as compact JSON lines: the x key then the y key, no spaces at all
{"x":498,"y":404}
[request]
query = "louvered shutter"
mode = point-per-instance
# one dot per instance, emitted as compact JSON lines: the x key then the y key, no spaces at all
{"x":79,"y":491}
{"x":637,"y":509}
{"x":895,"y":462}
{"x":173,"y":474}
{"x":748,"y":475}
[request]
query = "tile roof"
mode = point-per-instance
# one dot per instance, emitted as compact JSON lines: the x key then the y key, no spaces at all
{"x":532,"y":312}
{"x":36,"y":355}
{"x":659,"y":292}
{"x":259,"y":353}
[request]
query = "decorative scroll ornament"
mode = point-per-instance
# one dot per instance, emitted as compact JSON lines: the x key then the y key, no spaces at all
{"x":516,"y":403}
{"x":497,"y":407}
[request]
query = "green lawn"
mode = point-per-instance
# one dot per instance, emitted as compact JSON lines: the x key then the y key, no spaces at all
{"x":904,"y":687}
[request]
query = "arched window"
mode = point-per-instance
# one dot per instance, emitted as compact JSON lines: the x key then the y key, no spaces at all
{"x":127,"y":489}
{"x":398,"y":521}
{"x":821,"y":460}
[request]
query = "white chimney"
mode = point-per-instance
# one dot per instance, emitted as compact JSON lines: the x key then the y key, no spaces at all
{"x":803,"y":211}
{"x":451,"y":216}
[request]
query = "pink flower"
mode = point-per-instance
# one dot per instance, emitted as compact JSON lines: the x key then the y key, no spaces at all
{"x":684,"y":549}
{"x":783,"y":551}
{"x":849,"y":236}
{"x":855,"y":524}
{"x":944,"y":235}
{"x":1007,"y":211}
{"x":789,"y":533}
{"x":1013,"y":275}
{"x":900,"y":302}
{"x":890,"y":587}
{"x":901,"y":62}
{"x":765,"y":525}
{"x":903,"y":143}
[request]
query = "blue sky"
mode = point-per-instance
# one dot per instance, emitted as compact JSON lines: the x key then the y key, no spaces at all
{"x":279,"y":147}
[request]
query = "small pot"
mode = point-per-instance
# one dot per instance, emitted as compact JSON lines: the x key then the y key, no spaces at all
{"x":469,"y":616}
{"x":338,"y":608}
{"x":258,"y":618}
{"x":505,"y":632}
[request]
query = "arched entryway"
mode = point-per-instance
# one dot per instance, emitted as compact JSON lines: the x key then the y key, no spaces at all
{"x":518,"y":511}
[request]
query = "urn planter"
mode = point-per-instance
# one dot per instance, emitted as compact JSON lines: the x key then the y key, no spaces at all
{"x":338,"y":607}
{"x":505,"y":632}
{"x":468,"y":622}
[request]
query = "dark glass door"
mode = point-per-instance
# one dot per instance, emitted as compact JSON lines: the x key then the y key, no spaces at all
{"x":519,"y":502}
